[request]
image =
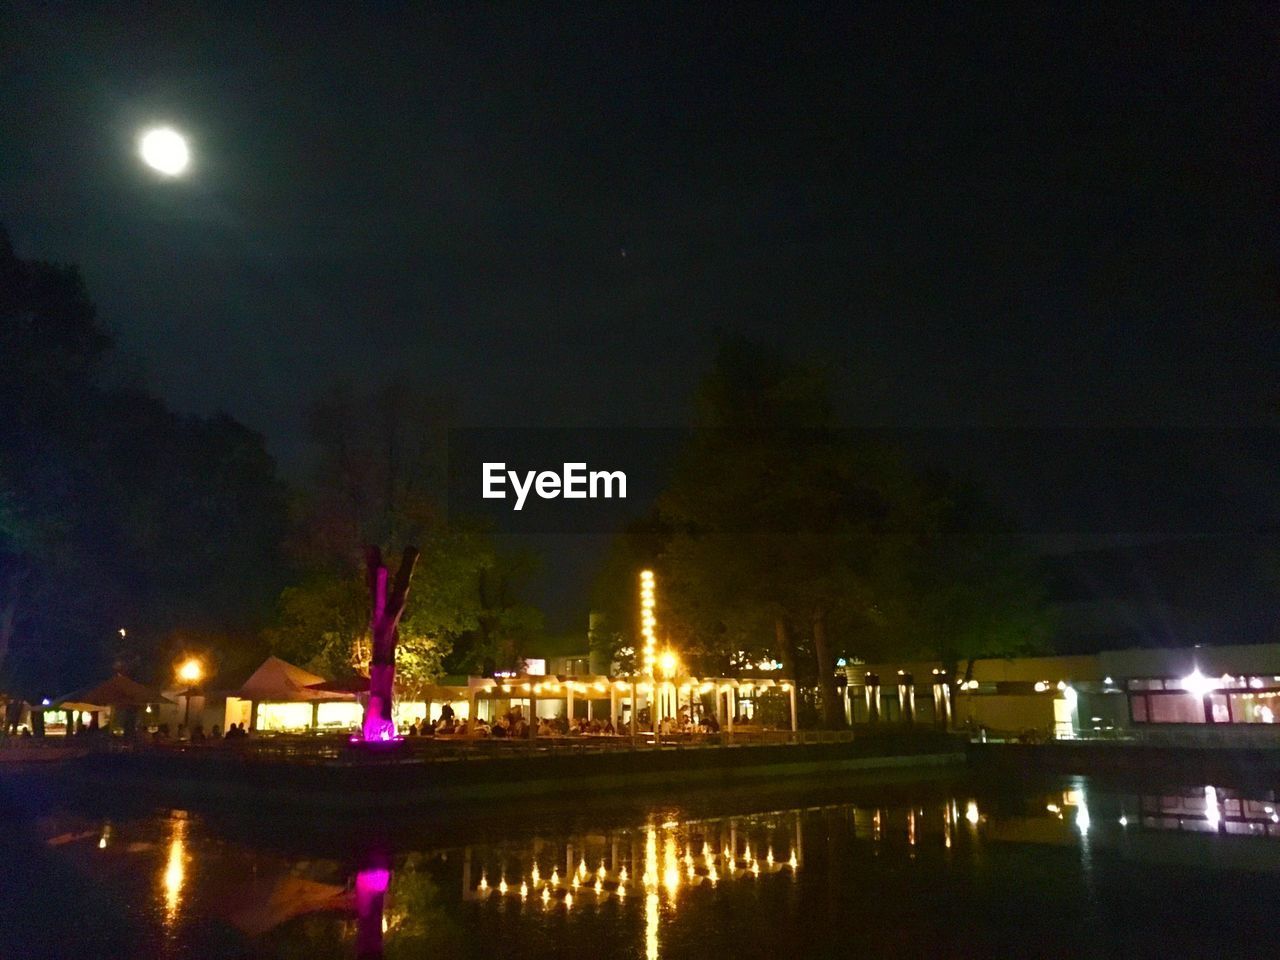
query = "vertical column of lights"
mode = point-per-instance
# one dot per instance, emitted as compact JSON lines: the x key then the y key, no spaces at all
{"x":648,"y":622}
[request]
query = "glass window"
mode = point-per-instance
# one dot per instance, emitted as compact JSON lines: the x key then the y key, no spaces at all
{"x":1138,"y":704}
{"x":1218,"y":706}
{"x":1176,"y":708}
{"x":1253,"y":708}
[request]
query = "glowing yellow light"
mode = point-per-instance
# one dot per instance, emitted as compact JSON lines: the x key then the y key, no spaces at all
{"x":524,"y":890}
{"x":574,"y":882}
{"x":502,"y":886}
{"x":769,"y":857}
{"x":755,"y":867}
{"x":622,"y":891}
{"x":175,"y":871}
{"x":582,"y":867}
{"x":650,"y":878}
{"x":555,"y":877}
{"x":971,"y":812}
{"x":568,"y":900}
{"x":670,"y":868}
{"x":190,"y":671}
{"x":712,"y":875}
{"x":651,"y":926}
{"x":793,"y":862}
{"x":546,"y":895}
{"x":668,"y":662}
{"x":484,"y":882}
{"x":601,"y":872}
{"x":534,"y":875}
{"x":599,"y":886}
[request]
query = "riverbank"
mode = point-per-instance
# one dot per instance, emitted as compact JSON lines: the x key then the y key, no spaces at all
{"x":383,"y":779}
{"x":1127,"y":759}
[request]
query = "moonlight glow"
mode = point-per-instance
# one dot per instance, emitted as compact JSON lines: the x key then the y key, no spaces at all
{"x":165,"y":150}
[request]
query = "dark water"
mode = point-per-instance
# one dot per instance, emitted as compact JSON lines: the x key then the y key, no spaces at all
{"x":956,"y":868}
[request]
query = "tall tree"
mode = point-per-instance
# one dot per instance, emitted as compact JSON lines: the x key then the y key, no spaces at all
{"x":784,"y":531}
{"x":114,"y":511}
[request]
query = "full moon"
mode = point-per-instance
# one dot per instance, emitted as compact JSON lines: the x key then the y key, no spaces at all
{"x":165,"y":150}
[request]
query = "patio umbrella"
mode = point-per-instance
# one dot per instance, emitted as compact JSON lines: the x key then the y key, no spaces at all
{"x":119,"y":691}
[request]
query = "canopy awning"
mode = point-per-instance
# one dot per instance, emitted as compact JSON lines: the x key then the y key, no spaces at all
{"x":278,"y":681}
{"x":118,"y":691}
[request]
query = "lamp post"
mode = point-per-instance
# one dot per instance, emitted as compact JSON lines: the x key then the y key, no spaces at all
{"x":190,"y":671}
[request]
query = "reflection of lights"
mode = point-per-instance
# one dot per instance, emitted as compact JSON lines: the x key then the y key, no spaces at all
{"x":546,"y":895}
{"x":650,"y":878}
{"x":670,"y":869}
{"x":651,"y":926}
{"x":568,"y":900}
{"x":1124,"y":821}
{"x":175,"y":870}
{"x":793,"y":863}
{"x":622,"y":875}
{"x":535,"y":876}
{"x":1082,"y":819}
{"x":502,"y":886}
{"x":582,"y":867}
{"x":555,"y":877}
{"x":755,"y":868}
{"x":599,"y":886}
{"x":1211,"y":812}
{"x":712,"y":875}
{"x":768,"y":858}
{"x":524,"y":890}
{"x":484,"y":882}
{"x":622,"y":891}
{"x":1053,"y":808}
{"x":971,"y":812}
{"x":601,"y":873}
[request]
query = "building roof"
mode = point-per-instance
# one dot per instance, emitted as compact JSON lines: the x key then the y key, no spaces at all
{"x":118,"y":691}
{"x":279,"y":681}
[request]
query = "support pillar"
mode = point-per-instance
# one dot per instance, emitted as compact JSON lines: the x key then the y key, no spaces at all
{"x":791,"y":691}
{"x":569,"y":702}
{"x":633,"y":708}
{"x":471,"y":712}
{"x":613,"y":707}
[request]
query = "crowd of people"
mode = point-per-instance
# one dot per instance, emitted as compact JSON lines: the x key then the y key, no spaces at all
{"x":514,"y":725}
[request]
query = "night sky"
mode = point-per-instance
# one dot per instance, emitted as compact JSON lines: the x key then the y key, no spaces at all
{"x":1041,"y":215}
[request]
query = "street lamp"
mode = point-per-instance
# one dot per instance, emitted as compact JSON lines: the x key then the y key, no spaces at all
{"x":190,"y":671}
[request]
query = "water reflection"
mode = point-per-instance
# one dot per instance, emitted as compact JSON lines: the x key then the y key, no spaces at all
{"x":175,"y":870}
{"x":644,"y":885}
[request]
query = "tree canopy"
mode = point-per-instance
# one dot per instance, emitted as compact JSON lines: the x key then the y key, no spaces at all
{"x":115,"y":511}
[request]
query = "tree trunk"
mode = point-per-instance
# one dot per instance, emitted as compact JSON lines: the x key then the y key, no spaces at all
{"x":384,"y":621}
{"x":787,"y":649}
{"x":832,"y":715}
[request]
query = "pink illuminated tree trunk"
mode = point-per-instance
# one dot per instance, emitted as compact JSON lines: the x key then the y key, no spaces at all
{"x":384,"y":621}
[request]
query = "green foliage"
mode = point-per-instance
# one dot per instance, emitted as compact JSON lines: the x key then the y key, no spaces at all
{"x":780,"y":538}
{"x":375,"y":482}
